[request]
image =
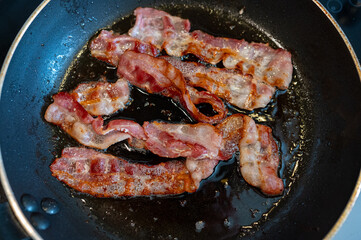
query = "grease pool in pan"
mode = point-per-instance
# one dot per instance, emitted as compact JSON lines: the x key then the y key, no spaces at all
{"x":225,"y":205}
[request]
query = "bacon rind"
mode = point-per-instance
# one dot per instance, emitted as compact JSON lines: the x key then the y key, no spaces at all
{"x":108,"y":46}
{"x":240,"y":90}
{"x":102,"y":98}
{"x":157,"y":75}
{"x":259,"y":159}
{"x":104,"y":175}
{"x":193,"y":141}
{"x":78,"y":123}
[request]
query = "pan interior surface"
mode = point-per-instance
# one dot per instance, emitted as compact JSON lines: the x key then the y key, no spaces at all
{"x":314,"y":122}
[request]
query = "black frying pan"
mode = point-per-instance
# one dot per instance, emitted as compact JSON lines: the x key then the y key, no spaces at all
{"x":316,"y":123}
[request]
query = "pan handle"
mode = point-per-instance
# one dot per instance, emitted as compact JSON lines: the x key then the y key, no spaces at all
{"x":10,"y":229}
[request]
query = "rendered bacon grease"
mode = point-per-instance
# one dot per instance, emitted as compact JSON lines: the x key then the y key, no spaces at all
{"x":252,"y":73}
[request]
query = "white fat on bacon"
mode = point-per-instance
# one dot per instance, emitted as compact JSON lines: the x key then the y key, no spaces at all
{"x":259,"y":159}
{"x":102,"y":98}
{"x":162,"y":30}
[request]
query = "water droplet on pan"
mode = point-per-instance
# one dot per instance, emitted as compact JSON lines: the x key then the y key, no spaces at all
{"x":29,"y":203}
{"x":200,"y":225}
{"x":50,"y":206}
{"x":39,"y":221}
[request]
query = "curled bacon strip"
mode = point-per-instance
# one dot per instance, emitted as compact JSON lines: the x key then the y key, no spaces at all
{"x":272,"y":66}
{"x":158,"y":76}
{"x":259,"y":158}
{"x":109,"y":46}
{"x":78,"y":123}
{"x":240,"y":90}
{"x":104,"y":175}
{"x":102,"y":98}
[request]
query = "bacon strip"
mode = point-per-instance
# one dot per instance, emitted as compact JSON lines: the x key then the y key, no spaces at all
{"x":194,"y":141}
{"x":272,"y":66}
{"x":78,"y":123}
{"x":158,"y":76}
{"x":259,"y":158}
{"x":109,"y":46}
{"x":104,"y":175}
{"x":101,"y":97}
{"x":240,"y":90}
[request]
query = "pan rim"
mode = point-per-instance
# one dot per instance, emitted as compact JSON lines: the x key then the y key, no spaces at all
{"x":351,"y":202}
{"x":15,"y":206}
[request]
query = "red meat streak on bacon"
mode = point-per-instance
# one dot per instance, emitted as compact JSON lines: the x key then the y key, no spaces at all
{"x":104,"y":175}
{"x":78,"y":123}
{"x":159,"y":76}
{"x":259,"y":159}
{"x":101,"y":97}
{"x":272,"y":66}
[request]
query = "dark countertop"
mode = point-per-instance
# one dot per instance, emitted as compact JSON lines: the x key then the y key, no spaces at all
{"x":13,"y":15}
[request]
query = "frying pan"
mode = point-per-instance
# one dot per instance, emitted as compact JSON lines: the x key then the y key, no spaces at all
{"x":316,"y":124}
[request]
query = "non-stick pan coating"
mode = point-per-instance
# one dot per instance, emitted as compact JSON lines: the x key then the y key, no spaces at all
{"x":315,"y":123}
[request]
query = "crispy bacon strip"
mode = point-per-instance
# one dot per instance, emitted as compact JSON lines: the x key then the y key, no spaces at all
{"x":194,"y":141}
{"x":104,"y":175}
{"x":240,"y":90}
{"x":109,"y":46}
{"x":272,"y":66}
{"x":159,"y":76}
{"x":102,"y":98}
{"x":259,"y":158}
{"x":78,"y":123}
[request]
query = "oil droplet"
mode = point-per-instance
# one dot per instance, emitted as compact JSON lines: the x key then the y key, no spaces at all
{"x":227,"y":223}
{"x":29,"y":203}
{"x":50,"y":206}
{"x":39,"y":221}
{"x":200,"y":225}
{"x":183,"y":203}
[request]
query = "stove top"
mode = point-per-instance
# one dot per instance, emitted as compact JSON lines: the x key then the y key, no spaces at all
{"x":347,"y":13}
